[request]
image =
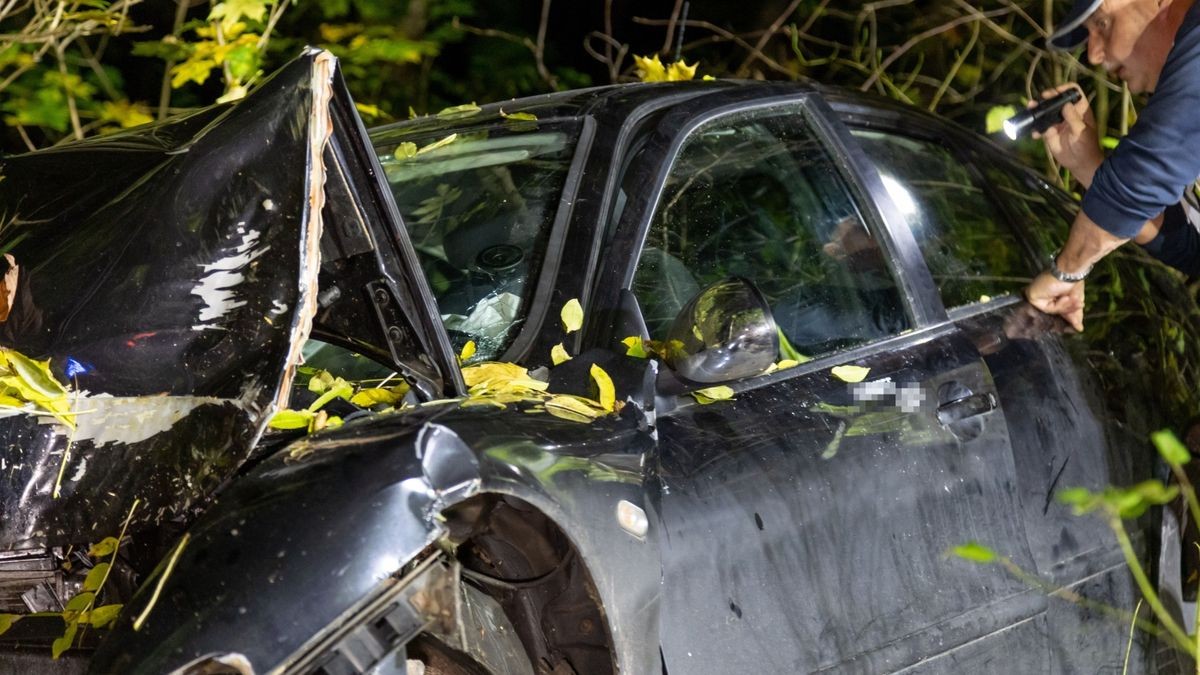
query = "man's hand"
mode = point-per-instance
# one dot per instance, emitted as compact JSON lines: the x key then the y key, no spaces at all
{"x":1074,"y":142}
{"x":1063,"y":298}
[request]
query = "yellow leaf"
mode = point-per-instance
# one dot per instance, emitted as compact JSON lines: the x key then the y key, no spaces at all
{"x":96,"y":577}
{"x":708,"y":78}
{"x":606,"y":392}
{"x":850,"y":373}
{"x":787,"y":363}
{"x":468,"y":351}
{"x":635,"y":347}
{"x":103,"y":548}
{"x":572,"y":315}
{"x":571,"y":408}
{"x":558,"y":354}
{"x":712,"y":394}
{"x":650,"y":69}
{"x":494,"y":378}
{"x":367,"y":398}
{"x":681,"y":71}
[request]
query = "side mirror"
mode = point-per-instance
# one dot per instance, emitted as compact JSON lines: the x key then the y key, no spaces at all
{"x":724,"y":333}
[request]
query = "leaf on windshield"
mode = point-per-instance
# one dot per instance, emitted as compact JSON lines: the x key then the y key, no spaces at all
{"x":405,"y":150}
{"x":369,"y":398}
{"x":467,"y":352}
{"x":606,"y":393}
{"x":635,"y":347}
{"x":559,"y":355}
{"x":458,"y":112}
{"x":572,"y":315}
{"x":850,"y":373}
{"x":519,"y":116}
{"x":441,"y":143}
{"x":712,"y":395}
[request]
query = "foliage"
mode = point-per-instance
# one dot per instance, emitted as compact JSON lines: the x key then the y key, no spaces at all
{"x":1117,"y":505}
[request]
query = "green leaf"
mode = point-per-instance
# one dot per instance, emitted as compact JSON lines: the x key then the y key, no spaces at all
{"x":37,"y":375}
{"x":104,"y":615}
{"x":232,"y":11}
{"x":519,"y":117}
{"x":103,"y":548}
{"x":440,"y":143}
{"x":975,"y":552}
{"x":1082,"y":499}
{"x":63,"y":643}
{"x":1109,"y":142}
{"x":635,"y":347}
{"x":291,"y":419}
{"x":81,"y":602}
{"x":7,"y":621}
{"x":95,"y":577}
{"x":458,"y":112}
{"x":243,"y":61}
{"x":997,"y":116}
{"x":405,"y":150}
{"x":1171,"y":448}
{"x":572,"y":315}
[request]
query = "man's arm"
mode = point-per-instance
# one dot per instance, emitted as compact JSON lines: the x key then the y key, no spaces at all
{"x":1086,"y":245}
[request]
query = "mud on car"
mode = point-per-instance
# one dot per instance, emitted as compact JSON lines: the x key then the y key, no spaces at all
{"x":806,"y":304}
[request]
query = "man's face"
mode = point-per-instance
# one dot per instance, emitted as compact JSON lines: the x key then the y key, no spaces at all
{"x":1130,"y":39}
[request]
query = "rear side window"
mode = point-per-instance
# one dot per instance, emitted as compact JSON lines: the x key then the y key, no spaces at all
{"x":756,"y":195}
{"x":971,"y":251}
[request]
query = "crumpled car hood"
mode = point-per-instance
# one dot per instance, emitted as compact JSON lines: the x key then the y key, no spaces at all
{"x":170,"y":276}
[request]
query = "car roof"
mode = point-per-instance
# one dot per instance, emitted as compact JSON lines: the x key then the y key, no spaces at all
{"x":621,"y":100}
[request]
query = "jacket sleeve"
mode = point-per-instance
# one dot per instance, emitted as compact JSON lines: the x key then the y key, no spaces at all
{"x":1152,"y":166}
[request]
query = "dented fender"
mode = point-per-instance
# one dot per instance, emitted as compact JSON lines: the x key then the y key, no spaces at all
{"x":322,"y":526}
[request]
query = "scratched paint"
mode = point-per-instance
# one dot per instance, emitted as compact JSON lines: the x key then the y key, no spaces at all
{"x":217,"y":287}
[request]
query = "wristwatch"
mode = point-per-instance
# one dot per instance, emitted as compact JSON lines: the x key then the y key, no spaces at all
{"x":1063,"y":276}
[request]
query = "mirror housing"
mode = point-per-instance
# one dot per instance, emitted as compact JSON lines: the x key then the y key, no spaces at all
{"x":724,"y":333}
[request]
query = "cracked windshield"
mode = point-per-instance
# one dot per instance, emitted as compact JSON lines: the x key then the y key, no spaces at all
{"x":479,"y":205}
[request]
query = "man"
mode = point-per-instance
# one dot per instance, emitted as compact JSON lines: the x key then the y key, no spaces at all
{"x":1135,"y":193}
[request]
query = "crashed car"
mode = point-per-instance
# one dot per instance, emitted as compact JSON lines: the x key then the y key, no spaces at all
{"x":749,"y":359}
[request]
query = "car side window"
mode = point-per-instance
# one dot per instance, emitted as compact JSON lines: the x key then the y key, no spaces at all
{"x":756,"y":195}
{"x":970,"y":249}
{"x":1047,"y":212}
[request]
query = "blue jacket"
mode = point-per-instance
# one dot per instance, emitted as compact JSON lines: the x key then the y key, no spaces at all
{"x":1160,"y":158}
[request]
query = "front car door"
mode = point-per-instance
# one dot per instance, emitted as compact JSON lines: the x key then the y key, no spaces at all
{"x":806,"y":521}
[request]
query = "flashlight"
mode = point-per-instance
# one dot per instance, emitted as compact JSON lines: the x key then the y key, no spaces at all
{"x":1041,"y":117}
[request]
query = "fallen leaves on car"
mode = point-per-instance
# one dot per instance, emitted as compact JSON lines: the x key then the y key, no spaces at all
{"x":606,"y":392}
{"x":458,"y":112}
{"x":29,"y":386}
{"x":572,"y":315}
{"x":850,"y":374}
{"x":559,"y":355}
{"x":651,"y":69}
{"x":712,"y":394}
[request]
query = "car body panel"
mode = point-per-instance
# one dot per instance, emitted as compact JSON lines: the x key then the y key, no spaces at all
{"x":800,"y":526}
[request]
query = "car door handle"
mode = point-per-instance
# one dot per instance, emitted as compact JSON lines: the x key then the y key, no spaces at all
{"x":967,"y":406}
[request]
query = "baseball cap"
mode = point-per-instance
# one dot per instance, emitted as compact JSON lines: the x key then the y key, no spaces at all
{"x":1071,"y":32}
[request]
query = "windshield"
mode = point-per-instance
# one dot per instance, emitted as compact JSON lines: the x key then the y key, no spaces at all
{"x":479,"y":205}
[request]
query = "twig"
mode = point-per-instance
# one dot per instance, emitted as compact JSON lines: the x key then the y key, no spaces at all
{"x":771,"y":63}
{"x":771,"y":32}
{"x":164,"y":92}
{"x":162,"y":581}
{"x":962,"y":57}
{"x":670,"y":37}
{"x":918,"y":38}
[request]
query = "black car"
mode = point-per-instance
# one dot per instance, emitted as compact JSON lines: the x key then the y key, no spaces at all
{"x":807,"y":301}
